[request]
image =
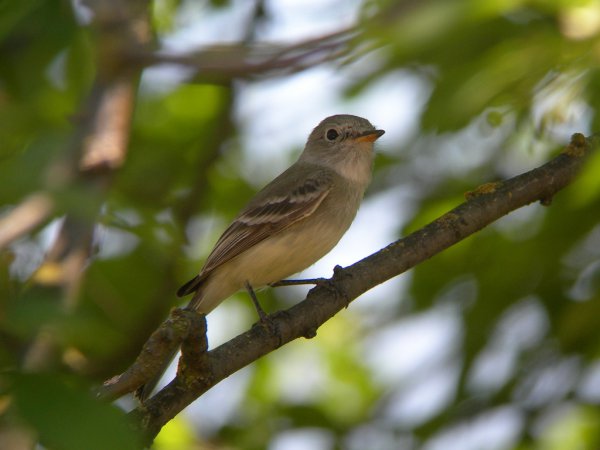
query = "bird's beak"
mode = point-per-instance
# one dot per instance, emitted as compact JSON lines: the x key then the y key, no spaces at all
{"x":370,"y":136}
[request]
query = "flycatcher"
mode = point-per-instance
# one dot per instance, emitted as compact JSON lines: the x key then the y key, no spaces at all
{"x":292,"y":222}
{"x":296,"y":219}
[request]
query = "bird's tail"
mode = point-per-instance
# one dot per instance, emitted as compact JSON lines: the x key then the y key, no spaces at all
{"x":191,"y":286}
{"x":195,"y":286}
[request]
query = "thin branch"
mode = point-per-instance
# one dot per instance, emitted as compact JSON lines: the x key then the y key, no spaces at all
{"x":105,"y":147}
{"x":158,"y":350}
{"x":24,"y":218}
{"x":483,"y":206}
{"x":224,"y":62}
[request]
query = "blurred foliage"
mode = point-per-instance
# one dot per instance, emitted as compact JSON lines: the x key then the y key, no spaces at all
{"x":66,"y":416}
{"x":523,"y":364}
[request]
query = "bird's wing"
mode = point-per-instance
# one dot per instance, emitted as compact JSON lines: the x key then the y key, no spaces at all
{"x":267,"y":217}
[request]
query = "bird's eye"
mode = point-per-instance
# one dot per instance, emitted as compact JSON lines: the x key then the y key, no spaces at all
{"x":331,"y":134}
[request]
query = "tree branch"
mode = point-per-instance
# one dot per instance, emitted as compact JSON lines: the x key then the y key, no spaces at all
{"x":484,"y":205}
{"x":225,"y":62}
{"x":98,"y":147}
{"x":25,"y":217}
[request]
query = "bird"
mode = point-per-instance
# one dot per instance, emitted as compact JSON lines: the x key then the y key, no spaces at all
{"x":291,"y":223}
{"x":294,"y":220}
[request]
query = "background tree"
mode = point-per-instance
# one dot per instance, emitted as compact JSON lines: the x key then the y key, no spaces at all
{"x":131,"y":132}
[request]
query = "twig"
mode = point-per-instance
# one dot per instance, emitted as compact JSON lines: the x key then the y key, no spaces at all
{"x":25,"y":217}
{"x":159,"y":348}
{"x":224,"y":62}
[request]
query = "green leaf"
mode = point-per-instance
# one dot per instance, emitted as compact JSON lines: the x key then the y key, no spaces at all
{"x":67,"y":417}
